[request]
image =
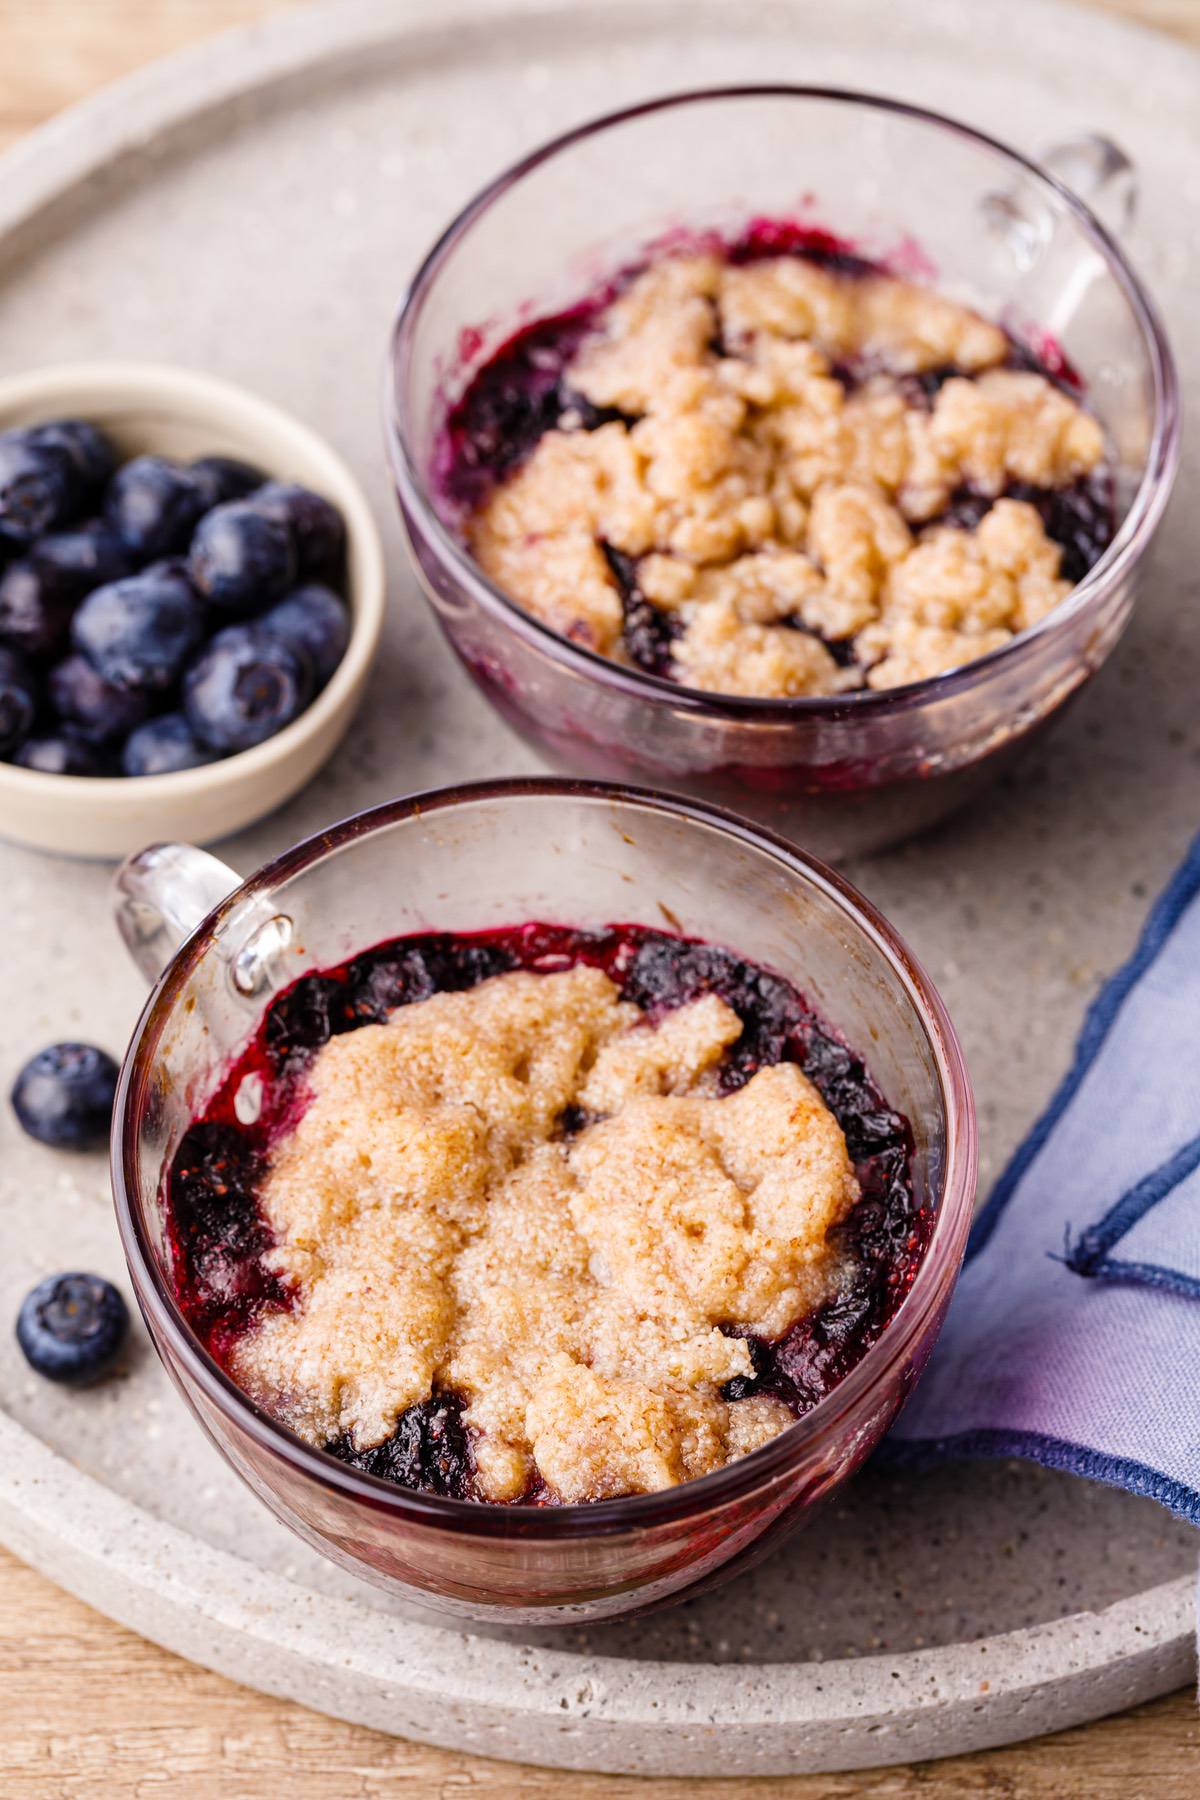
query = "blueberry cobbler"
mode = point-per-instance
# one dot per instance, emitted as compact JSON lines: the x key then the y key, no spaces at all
{"x":776,"y":469}
{"x":543,"y":1215}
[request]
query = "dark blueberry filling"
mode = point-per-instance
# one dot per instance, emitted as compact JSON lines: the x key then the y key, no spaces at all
{"x":518,"y":395}
{"x":572,"y":1120}
{"x":649,"y":631}
{"x":217,"y":1234}
{"x":319,"y":1007}
{"x":1079,"y":517}
{"x":966,"y":509}
{"x":765,"y":238}
{"x":430,"y":1450}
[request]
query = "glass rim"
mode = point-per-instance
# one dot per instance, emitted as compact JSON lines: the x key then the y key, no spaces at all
{"x":1131,"y":539}
{"x":931,"y":1284}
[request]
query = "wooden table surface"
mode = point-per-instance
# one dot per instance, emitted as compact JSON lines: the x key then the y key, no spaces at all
{"x":86,"y":1705}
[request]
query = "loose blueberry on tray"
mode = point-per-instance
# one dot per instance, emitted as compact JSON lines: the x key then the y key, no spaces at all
{"x":64,"y":1096}
{"x":71,"y":1328}
{"x":156,"y":616}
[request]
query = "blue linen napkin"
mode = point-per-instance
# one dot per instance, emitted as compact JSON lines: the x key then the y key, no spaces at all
{"x":1073,"y":1337}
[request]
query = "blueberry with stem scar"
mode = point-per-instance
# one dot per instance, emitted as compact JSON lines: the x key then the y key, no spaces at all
{"x":72,"y":1328}
{"x":244,"y":688}
{"x":39,"y":487}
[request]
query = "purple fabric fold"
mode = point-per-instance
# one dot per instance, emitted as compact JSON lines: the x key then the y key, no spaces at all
{"x":1075,"y":1328}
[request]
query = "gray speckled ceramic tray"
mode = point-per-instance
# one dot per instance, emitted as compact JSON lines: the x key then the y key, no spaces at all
{"x":253,"y":208}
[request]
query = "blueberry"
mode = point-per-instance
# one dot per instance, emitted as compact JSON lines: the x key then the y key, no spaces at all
{"x":91,"y":453}
{"x":39,"y":488}
{"x":64,"y":1096}
{"x":103,"y":711}
{"x":226,"y":478}
{"x":140,"y":632}
{"x":67,"y":752}
{"x":18,"y":701}
{"x":40,"y":591}
{"x":313,"y":620}
{"x":71,"y":1328}
{"x":240,"y":559}
{"x":35,"y":608}
{"x":87,"y":556}
{"x":316,"y":525}
{"x":163,"y":746}
{"x":244,"y":688}
{"x":154,"y":505}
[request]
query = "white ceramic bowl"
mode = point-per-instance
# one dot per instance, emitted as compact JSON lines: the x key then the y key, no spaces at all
{"x":179,"y":413}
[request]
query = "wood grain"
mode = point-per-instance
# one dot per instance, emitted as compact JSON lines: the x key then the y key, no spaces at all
{"x":86,"y":1706}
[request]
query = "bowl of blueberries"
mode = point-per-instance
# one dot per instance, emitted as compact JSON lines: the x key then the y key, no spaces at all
{"x":191,"y":596}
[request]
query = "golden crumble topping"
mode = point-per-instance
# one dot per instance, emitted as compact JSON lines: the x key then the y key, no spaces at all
{"x":442,"y":1233}
{"x":771,"y":509}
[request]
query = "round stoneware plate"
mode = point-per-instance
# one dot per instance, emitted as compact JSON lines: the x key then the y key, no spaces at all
{"x":253,"y":209}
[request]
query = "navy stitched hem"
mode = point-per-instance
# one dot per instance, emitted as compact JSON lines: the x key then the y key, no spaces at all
{"x":1101,"y":1016}
{"x":1141,"y":1274}
{"x":1051,"y":1453}
{"x":1089,"y":1254}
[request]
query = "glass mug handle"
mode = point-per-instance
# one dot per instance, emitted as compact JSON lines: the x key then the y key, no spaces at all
{"x":1095,"y":169}
{"x":1099,"y":173}
{"x":161,"y":894}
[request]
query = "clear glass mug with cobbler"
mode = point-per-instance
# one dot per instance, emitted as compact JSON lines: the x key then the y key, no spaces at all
{"x":543,"y":1193}
{"x":772,"y":479}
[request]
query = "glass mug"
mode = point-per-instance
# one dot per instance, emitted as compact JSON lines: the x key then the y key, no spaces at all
{"x":493,"y":854}
{"x":846,"y":774}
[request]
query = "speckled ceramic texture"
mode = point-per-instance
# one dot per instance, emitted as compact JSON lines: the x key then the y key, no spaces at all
{"x":254,"y":209}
